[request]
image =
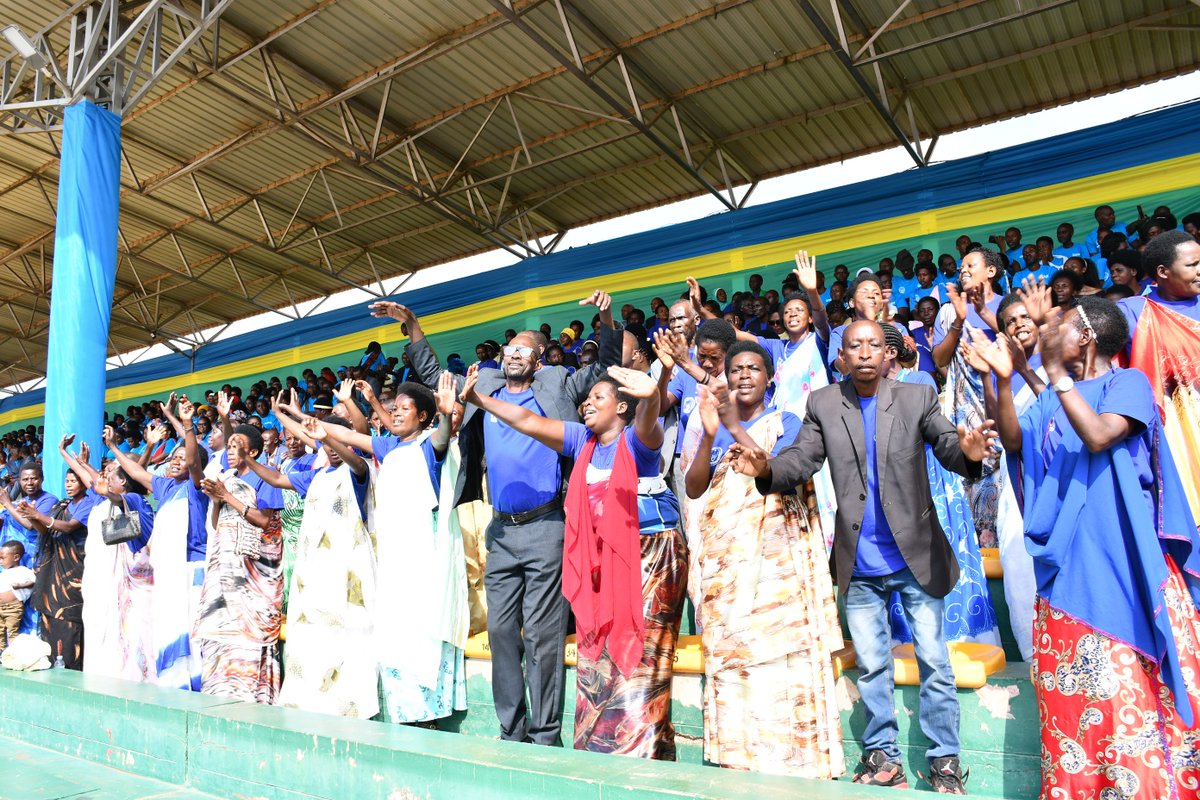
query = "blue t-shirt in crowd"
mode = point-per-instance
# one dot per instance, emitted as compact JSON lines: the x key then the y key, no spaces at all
{"x":683,"y":386}
{"x":877,"y":554}
{"x":523,"y":473}
{"x":302,"y":480}
{"x":15,"y":531}
{"x":1061,"y":254}
{"x":166,"y":489}
{"x":382,"y":445}
{"x":902,"y":289}
{"x":266,"y":496}
{"x":658,"y":508}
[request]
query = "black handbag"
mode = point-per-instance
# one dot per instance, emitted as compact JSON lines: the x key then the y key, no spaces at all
{"x":120,"y":528}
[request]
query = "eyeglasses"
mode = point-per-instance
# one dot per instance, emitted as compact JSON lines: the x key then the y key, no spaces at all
{"x":517,"y":350}
{"x":776,"y":323}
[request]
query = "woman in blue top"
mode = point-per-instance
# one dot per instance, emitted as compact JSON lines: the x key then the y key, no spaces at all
{"x":421,"y":622}
{"x":624,"y":560}
{"x":1117,"y":557}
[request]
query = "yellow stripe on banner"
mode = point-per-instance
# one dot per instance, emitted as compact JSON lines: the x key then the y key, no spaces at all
{"x":1140,"y":181}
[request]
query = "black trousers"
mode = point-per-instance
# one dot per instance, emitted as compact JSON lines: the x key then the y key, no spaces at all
{"x":527,"y":623}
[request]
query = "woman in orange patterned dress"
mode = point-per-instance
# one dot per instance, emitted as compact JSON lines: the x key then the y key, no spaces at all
{"x":767,"y":613}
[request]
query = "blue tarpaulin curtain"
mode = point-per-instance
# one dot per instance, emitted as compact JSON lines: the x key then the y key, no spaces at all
{"x":85,"y":268}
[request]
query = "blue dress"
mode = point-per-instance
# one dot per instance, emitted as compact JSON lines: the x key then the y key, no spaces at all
{"x":968,"y":614}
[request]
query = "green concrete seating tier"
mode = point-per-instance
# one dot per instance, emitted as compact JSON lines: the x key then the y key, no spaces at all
{"x":233,"y":749}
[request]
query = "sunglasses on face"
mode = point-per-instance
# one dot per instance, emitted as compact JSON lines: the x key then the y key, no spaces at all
{"x":777,"y":323}
{"x":517,"y":350}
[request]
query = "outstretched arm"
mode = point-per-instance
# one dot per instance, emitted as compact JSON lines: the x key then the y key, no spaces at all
{"x":446,"y":398}
{"x":132,"y":468}
{"x":699,"y":473}
{"x":549,"y":432}
{"x":191,"y":448}
{"x":345,"y":395}
{"x":350,"y":458}
{"x":645,"y":419}
{"x":270,"y":476}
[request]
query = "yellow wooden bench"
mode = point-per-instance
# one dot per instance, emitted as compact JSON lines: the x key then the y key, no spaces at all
{"x":991,"y":562}
{"x":972,"y":662}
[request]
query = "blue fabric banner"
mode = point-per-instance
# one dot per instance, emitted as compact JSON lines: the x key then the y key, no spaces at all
{"x":85,"y":269}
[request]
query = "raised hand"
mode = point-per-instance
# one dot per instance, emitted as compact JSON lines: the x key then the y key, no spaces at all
{"x":806,"y":271}
{"x":387,"y":309}
{"x":66,"y":441}
{"x":674,"y":344}
{"x":1050,"y":336}
{"x":995,"y":356}
{"x":214,"y":489}
{"x":633,"y":383}
{"x":958,"y":301}
{"x":662,"y":353}
{"x":156,"y":433}
{"x":187,"y":410}
{"x":365,"y":390}
{"x":468,"y":389}
{"x":169,"y":406}
{"x":344,"y":390}
{"x":1037,"y":297}
{"x":85,"y":453}
{"x":976,"y":443}
{"x":694,"y":294}
{"x":224,"y":404}
{"x":603,"y":303}
{"x":446,"y":396}
{"x":707,"y":406}
{"x":1016,"y":351}
{"x":751,"y":462}
{"x":109,"y":437}
{"x":315,"y":430}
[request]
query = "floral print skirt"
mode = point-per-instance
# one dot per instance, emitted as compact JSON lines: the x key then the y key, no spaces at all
{"x":1110,"y":729}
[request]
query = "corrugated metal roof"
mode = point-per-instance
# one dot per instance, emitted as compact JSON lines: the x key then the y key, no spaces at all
{"x":486,"y":138}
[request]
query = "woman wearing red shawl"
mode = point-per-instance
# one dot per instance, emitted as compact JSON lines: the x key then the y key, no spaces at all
{"x":624,"y":560}
{"x":1164,"y":343}
{"x":1115,"y":554}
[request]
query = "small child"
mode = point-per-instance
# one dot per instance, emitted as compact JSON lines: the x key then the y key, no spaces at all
{"x":16,"y":585}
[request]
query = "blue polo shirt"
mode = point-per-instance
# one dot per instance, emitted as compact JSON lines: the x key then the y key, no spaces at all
{"x":522,"y":472}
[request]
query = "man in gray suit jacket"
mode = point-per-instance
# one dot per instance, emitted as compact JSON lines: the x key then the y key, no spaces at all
{"x":873,"y":432}
{"x":527,"y":613}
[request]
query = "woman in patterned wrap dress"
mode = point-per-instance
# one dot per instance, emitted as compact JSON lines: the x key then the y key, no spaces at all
{"x":769,"y":619}
{"x":624,"y":561}
{"x":242,"y":596}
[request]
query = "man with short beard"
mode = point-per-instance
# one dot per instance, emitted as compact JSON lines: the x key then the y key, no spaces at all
{"x":527,"y":613}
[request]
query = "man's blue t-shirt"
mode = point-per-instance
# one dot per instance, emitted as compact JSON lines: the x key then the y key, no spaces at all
{"x":877,"y":554}
{"x":13,"y":530}
{"x":1061,"y":254}
{"x":165,"y":489}
{"x":302,"y":480}
{"x":523,"y":473}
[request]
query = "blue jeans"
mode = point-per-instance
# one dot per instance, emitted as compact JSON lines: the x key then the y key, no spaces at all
{"x":867,"y":616}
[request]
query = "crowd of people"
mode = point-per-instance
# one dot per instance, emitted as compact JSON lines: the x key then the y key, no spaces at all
{"x":330,"y":542}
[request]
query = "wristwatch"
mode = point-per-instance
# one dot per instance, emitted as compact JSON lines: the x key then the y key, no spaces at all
{"x":1064,"y":384}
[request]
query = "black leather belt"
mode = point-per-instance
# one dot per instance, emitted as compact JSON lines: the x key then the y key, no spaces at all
{"x":521,"y":517}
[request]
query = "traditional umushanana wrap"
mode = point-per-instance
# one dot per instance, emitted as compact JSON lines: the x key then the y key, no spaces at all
{"x":239,"y":618}
{"x":330,"y":663}
{"x":769,"y":626}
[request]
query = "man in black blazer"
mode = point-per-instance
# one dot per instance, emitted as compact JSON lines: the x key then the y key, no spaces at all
{"x":873,"y":432}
